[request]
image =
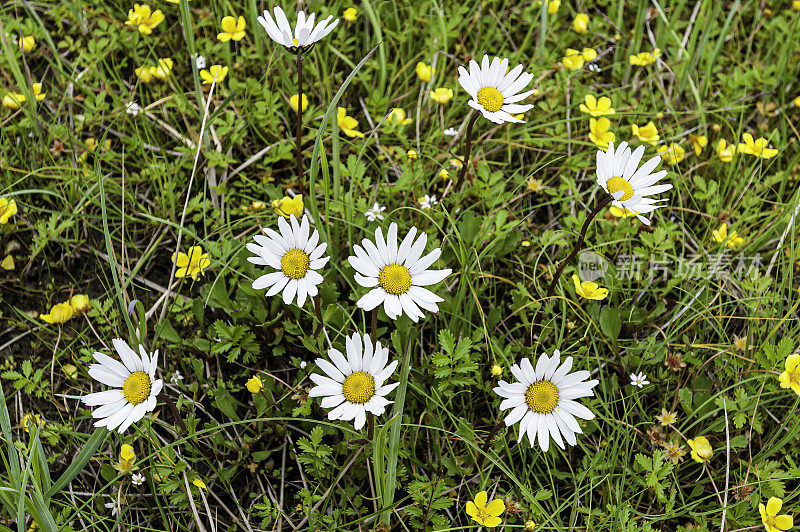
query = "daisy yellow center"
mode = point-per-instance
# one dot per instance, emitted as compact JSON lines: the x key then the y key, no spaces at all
{"x":395,"y":279}
{"x":296,"y":42}
{"x":294,"y":263}
{"x":542,"y":397}
{"x":616,"y":183}
{"x":358,"y":387}
{"x":490,"y":98}
{"x":136,"y":387}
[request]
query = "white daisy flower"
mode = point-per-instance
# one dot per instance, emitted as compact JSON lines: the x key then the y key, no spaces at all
{"x":495,"y":90}
{"x":639,"y":380}
{"x":543,"y":401}
{"x":132,"y":108}
{"x":137,"y":479}
{"x":200,"y":62}
{"x":451,"y":132}
{"x":305,"y":33}
{"x":397,"y":274}
{"x":375,"y":213}
{"x":619,"y":174}
{"x":295,"y":255}
{"x":355,"y":385}
{"x":426,"y":202}
{"x":134,"y":383}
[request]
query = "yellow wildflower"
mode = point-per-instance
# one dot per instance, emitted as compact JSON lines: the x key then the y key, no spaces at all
{"x":589,"y":289}
{"x":28,"y":419}
{"x":770,"y":518}
{"x":724,"y":151}
{"x":790,"y":378}
{"x":701,"y":449}
{"x":350,"y":14}
{"x":552,"y":6}
{"x":287,"y":206}
{"x":232,"y":29}
{"x":126,"y":458}
{"x":145,"y":74}
{"x":667,"y":418}
{"x":698,"y":142}
{"x":572,"y":59}
{"x":60,"y":313}
{"x":70,"y":371}
{"x":497,"y":370}
{"x":37,"y":91}
{"x":758,"y":147}
{"x":424,"y":71}
{"x":645,"y":58}
{"x":348,"y":124}
{"x":581,"y":23}
{"x":214,"y":71}
{"x":411,"y":154}
{"x":595,"y":107}
{"x":646,"y":133}
{"x":599,"y":131}
{"x":144,"y":20}
{"x":7,"y":263}
{"x":8,"y":208}
{"x":13,"y":100}
{"x":721,"y":235}
{"x":163,"y":69}
{"x":397,"y":117}
{"x":486,"y":514}
{"x":293,"y":102}
{"x":796,"y":101}
{"x":673,"y":153}
{"x":254,"y":384}
{"x":444,"y":174}
{"x":535,"y":185}
{"x":589,"y":54}
{"x":200,"y":484}
{"x":80,"y":304}
{"x":674,"y":452}
{"x":192,"y":265}
{"x":442,"y":95}
{"x":27,"y":43}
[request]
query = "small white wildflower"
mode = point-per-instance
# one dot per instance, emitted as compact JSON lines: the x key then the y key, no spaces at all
{"x":176,"y":377}
{"x":200,"y":62}
{"x":593,"y":67}
{"x":132,"y":108}
{"x":303,"y":364}
{"x":112,"y":506}
{"x":137,"y":479}
{"x":375,"y":213}
{"x":451,"y":132}
{"x":639,"y":380}
{"x":426,"y":202}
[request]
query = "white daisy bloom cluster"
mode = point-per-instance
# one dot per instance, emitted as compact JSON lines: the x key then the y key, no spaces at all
{"x":543,"y":401}
{"x":134,"y":386}
{"x":305,"y":33}
{"x":495,"y":90}
{"x":355,"y":385}
{"x":295,"y":255}
{"x":619,"y":174}
{"x":397,"y":274}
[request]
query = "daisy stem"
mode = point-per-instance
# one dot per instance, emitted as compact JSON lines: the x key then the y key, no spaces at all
{"x":467,"y":147}
{"x":486,"y":443}
{"x":299,"y":134}
{"x":318,"y":309}
{"x":578,"y":244}
{"x":374,"y":332}
{"x":207,"y":452}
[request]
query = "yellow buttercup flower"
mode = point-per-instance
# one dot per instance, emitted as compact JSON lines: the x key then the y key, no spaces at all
{"x":192,"y":265}
{"x":701,"y":449}
{"x":13,"y":100}
{"x":698,"y":142}
{"x":70,"y":371}
{"x":442,"y":95}
{"x":599,"y":131}
{"x":424,"y":71}
{"x":580,"y":23}
{"x":667,"y":418}
{"x":213,"y":71}
{"x":770,"y":518}
{"x":8,"y":208}
{"x":673,"y":153}
{"x":444,"y":174}
{"x":496,"y":370}
{"x":287,"y":206}
{"x":535,"y":185}
{"x":348,"y":124}
{"x":796,"y":101}
{"x":350,"y":14}
{"x":200,"y":484}
{"x":411,"y":154}
{"x":595,"y":107}
{"x":60,"y":313}
{"x":145,"y":74}
{"x":7,"y":263}
{"x":721,"y":235}
{"x":27,"y":43}
{"x":28,"y":419}
{"x":796,"y":5}
{"x":616,"y":212}
{"x":232,"y":29}
{"x":790,"y":378}
{"x":572,"y":59}
{"x":163,"y":69}
{"x":126,"y":458}
{"x":37,"y":91}
{"x":80,"y":303}
{"x":254,"y":384}
{"x":397,"y":117}
{"x":589,"y":289}
{"x":486,"y":514}
{"x":552,"y":6}
{"x":646,"y":133}
{"x":645,"y":58}
{"x":144,"y":20}
{"x":758,"y":147}
{"x":589,"y":54}
{"x":724,"y":151}
{"x":293,"y":102}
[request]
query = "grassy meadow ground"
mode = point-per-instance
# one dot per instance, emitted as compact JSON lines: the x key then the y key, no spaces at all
{"x":126,"y":161}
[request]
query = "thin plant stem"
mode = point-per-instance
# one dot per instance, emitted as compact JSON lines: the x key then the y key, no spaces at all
{"x":374,"y":332}
{"x":467,"y":148}
{"x":299,"y":133}
{"x":578,"y":244}
{"x":318,"y":309}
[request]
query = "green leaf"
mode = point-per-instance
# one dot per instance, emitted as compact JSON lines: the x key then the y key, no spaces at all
{"x":610,"y":322}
